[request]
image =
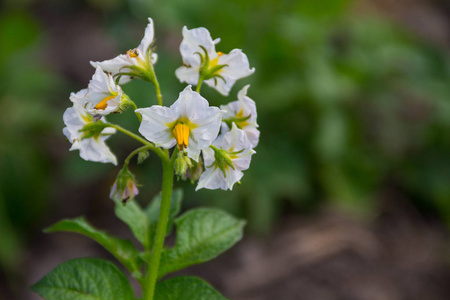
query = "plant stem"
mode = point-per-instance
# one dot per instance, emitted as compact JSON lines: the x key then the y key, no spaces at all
{"x":153,"y":265}
{"x":130,"y":156}
{"x":152,"y":78}
{"x":199,"y":84}
{"x":158,"y":91}
{"x":138,"y":115}
{"x":129,"y":133}
{"x":152,"y":147}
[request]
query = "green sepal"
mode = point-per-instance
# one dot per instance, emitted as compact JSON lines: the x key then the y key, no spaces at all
{"x":235,"y":120}
{"x":222,"y":160}
{"x":186,"y":287}
{"x":212,"y":72}
{"x":202,"y":234}
{"x":93,"y":129}
{"x":84,"y":279}
{"x":125,"y":103}
{"x":123,"y":250}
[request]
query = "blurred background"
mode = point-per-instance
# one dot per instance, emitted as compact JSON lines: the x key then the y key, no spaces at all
{"x":348,"y":196}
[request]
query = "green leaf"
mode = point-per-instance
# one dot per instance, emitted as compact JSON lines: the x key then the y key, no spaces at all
{"x":123,"y":250}
{"x":182,"y":288}
{"x":85,"y":279}
{"x":153,"y":208}
{"x":133,"y":215}
{"x":202,"y":234}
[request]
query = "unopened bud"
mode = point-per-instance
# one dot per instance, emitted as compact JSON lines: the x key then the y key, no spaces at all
{"x":181,"y":164}
{"x":124,"y":188}
{"x":194,"y":171}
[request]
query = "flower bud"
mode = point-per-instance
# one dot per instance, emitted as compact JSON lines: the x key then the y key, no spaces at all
{"x":181,"y":164}
{"x":124,"y":188}
{"x":125,"y":103}
{"x":193,"y":172}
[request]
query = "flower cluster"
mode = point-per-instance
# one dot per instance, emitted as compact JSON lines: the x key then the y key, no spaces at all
{"x":211,"y":145}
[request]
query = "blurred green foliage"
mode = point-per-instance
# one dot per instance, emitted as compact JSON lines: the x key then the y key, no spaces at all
{"x":348,"y":106}
{"x":27,"y":120}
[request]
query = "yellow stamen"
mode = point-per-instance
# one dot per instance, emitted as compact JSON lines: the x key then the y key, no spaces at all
{"x":132,"y":53}
{"x":181,"y":134}
{"x":104,"y":103}
{"x":220,"y":53}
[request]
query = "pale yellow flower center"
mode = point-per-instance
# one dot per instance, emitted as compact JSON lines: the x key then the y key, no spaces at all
{"x":181,"y":134}
{"x":215,"y":61}
{"x":241,"y":124}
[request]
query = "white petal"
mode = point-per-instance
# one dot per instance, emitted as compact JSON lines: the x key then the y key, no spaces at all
{"x":95,"y":149}
{"x":116,"y":65}
{"x":154,"y":58}
{"x":192,"y":40}
{"x":102,"y":86}
{"x":252,"y":135}
{"x":244,"y":107}
{"x":236,"y":140}
{"x":73,"y":119}
{"x":220,"y":85}
{"x":196,"y":109}
{"x":154,"y":125}
{"x":210,"y":179}
{"x":148,"y":38}
{"x":99,"y":83}
{"x":189,"y":75}
{"x":208,"y":156}
{"x":75,"y":97}
{"x":213,"y":178}
{"x":237,"y":65}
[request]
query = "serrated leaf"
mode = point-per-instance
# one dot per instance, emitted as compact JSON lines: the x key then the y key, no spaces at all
{"x":84,"y":279}
{"x":153,"y":208}
{"x":202,"y":234}
{"x":186,"y":287}
{"x":133,"y":215}
{"x":123,"y":250}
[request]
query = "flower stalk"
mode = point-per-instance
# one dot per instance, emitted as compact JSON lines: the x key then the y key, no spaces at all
{"x":166,"y":195}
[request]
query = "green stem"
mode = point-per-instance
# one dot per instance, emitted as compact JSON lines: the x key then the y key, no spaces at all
{"x":129,"y":133}
{"x":138,"y":115}
{"x":152,"y":147}
{"x":153,"y":265}
{"x":199,"y":84}
{"x":152,"y":78}
{"x":158,"y":91}
{"x":130,"y":156}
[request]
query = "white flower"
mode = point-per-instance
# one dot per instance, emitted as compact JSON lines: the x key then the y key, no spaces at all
{"x":200,"y":58}
{"x":103,"y":96}
{"x":137,"y":58}
{"x":243,"y":114}
{"x":93,"y":148}
{"x":224,"y":164}
{"x":190,"y":122}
